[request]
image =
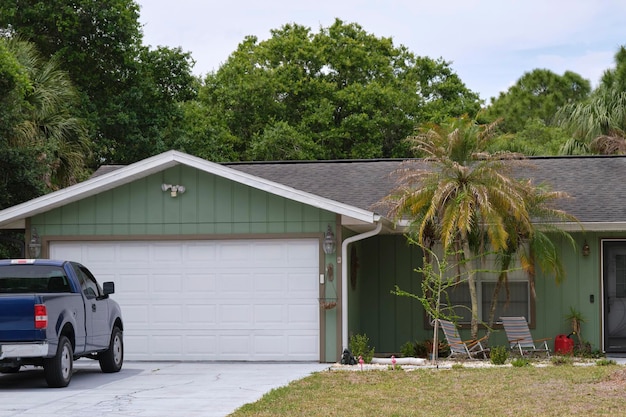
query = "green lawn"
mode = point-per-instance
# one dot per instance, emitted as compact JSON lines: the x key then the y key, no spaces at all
{"x":551,"y":390}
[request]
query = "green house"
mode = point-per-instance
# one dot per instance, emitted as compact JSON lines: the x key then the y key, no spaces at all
{"x":284,"y":261}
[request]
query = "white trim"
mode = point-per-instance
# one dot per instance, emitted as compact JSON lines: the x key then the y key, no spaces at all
{"x":588,"y":226}
{"x":159,"y":163}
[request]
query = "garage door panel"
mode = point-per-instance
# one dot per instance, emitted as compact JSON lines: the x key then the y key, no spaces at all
{"x":236,"y":315}
{"x":211,"y":300}
{"x":166,"y":283}
{"x":167,"y":314}
{"x":199,"y":283}
{"x":128,"y":284}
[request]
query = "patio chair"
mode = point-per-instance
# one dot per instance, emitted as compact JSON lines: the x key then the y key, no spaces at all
{"x":470,"y":348}
{"x":518,"y":334}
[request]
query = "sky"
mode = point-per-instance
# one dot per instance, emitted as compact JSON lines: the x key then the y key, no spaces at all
{"x":489,"y":43}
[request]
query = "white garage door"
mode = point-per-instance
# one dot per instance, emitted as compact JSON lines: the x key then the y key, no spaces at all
{"x":243,"y":300}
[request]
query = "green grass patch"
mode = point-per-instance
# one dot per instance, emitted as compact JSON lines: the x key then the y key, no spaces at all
{"x":495,"y":391}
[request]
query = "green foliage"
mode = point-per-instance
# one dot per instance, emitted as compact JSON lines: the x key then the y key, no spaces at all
{"x":498,"y":355}
{"x":340,"y":93}
{"x":359,"y":346}
{"x":605,"y":362}
{"x":520,"y":362}
{"x":407,"y":350}
{"x":21,"y":175}
{"x":129,"y":94}
{"x":416,"y":349}
{"x":561,"y":360}
{"x":537,"y":95}
{"x":534,"y":139}
{"x":576,"y":319}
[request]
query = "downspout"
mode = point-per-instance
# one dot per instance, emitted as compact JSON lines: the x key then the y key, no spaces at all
{"x":344,"y":278}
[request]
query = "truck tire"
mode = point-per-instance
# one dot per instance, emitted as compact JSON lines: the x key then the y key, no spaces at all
{"x":58,"y":370}
{"x":111,"y":359}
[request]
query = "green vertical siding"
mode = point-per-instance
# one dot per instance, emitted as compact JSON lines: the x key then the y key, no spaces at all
{"x":389,"y":320}
{"x":210,"y":205}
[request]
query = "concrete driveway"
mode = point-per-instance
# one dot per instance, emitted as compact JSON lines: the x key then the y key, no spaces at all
{"x":147,"y":389}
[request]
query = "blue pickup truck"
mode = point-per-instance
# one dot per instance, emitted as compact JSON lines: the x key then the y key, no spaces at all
{"x":54,"y":312}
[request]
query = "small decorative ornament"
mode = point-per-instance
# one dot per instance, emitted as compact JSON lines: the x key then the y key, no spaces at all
{"x":361,"y":361}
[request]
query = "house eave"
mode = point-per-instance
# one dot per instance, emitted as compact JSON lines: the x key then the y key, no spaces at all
{"x":162,"y":162}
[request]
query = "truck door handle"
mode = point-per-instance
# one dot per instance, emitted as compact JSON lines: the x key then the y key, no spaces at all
{"x":93,"y":308}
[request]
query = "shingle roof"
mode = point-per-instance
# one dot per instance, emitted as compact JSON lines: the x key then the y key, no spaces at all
{"x":596,"y":184}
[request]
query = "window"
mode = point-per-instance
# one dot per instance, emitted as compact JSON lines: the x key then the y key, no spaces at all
{"x":519,"y":288}
{"x":88,"y":283}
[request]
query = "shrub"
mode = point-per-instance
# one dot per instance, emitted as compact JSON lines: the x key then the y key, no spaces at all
{"x":421,"y":350}
{"x":359,"y":345}
{"x":520,"y":362}
{"x":407,"y":350}
{"x":499,"y":355}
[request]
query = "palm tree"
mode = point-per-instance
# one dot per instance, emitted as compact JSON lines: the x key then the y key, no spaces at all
{"x":598,"y":124}
{"x":533,"y":246}
{"x":47,"y":120}
{"x":464,"y":194}
{"x":471,"y":202}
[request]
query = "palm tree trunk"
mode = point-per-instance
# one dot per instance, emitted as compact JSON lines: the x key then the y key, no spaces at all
{"x":502,"y":281}
{"x":471,"y":282}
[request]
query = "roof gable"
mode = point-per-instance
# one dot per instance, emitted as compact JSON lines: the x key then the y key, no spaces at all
{"x":161,"y":162}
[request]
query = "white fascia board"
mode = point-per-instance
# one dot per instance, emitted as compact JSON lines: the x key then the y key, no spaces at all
{"x":589,"y":226}
{"x":403,"y":225}
{"x":159,"y":163}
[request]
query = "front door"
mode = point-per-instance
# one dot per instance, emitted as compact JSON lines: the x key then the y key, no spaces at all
{"x":614,"y":272}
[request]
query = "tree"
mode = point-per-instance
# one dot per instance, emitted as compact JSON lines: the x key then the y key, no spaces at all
{"x":44,"y":120}
{"x":147,"y":117}
{"x":94,"y":40}
{"x":129,"y":94}
{"x":537,"y":95}
{"x":598,"y":124}
{"x":536,"y":138}
{"x":464,"y":198}
{"x":341,"y":93}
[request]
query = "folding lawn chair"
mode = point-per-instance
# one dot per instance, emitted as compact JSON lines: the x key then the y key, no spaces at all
{"x":470,"y":348}
{"x":518,"y":334}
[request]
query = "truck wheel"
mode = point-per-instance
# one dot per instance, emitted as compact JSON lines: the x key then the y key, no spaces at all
{"x":111,"y":359}
{"x":58,"y":370}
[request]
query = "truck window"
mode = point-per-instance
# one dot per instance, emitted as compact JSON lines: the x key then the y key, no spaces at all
{"x":16,"y":279}
{"x":88,"y":283}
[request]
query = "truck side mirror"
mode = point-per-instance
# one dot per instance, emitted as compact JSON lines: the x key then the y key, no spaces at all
{"x":108,"y":288}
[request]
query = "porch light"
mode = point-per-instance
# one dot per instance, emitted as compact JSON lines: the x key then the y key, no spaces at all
{"x":174,"y":189}
{"x":329,"y":242}
{"x":34,"y":246}
{"x":586,"y":249}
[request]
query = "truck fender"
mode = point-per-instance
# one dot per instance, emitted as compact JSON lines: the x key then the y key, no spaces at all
{"x":66,"y":318}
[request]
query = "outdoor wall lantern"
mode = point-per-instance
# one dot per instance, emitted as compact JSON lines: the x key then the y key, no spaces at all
{"x":329,"y":242}
{"x":174,"y":189}
{"x":34,"y":246}
{"x":586,"y":249}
